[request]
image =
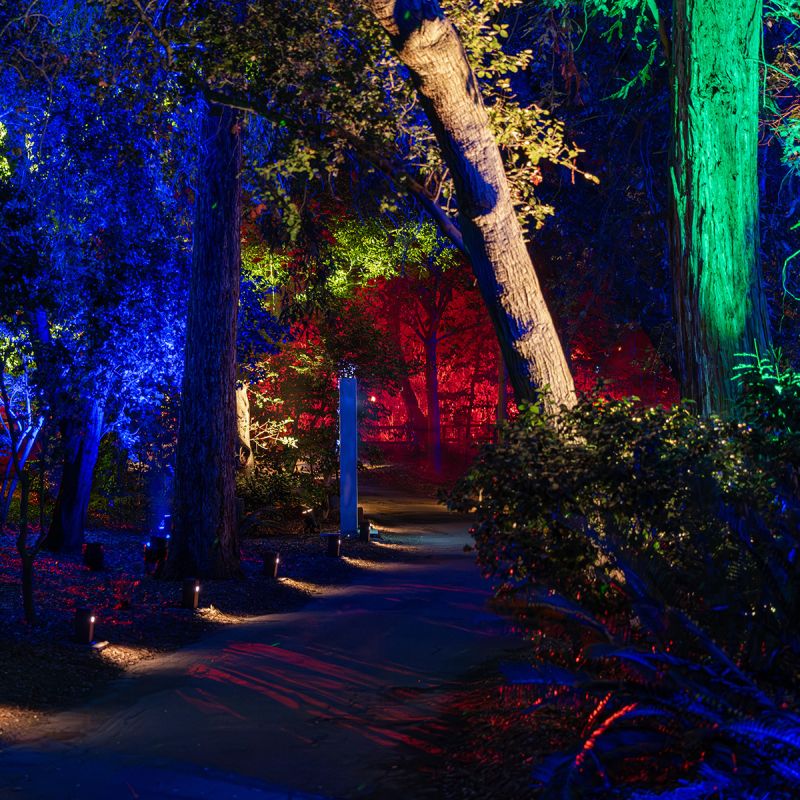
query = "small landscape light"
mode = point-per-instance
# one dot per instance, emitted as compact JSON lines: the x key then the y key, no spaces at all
{"x":271,"y":561}
{"x":191,"y":593}
{"x":93,"y":556}
{"x":334,"y":545}
{"x":84,"y":625}
{"x":363,"y":529}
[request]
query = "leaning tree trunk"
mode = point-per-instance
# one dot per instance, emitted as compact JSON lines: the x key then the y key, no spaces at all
{"x":720,"y":308}
{"x":81,"y":439}
{"x":429,"y":45}
{"x":205,"y":541}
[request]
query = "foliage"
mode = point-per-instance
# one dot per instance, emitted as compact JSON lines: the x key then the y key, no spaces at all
{"x":343,"y":100}
{"x":665,"y":547}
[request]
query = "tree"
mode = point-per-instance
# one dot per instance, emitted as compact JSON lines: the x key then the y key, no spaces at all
{"x":718,"y":298}
{"x":342,"y":98}
{"x":429,"y":45}
{"x":95,"y":263}
{"x":718,"y":294}
{"x":206,"y":542}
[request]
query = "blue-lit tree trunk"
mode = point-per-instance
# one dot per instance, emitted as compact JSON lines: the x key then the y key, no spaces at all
{"x":205,"y":541}
{"x":719,"y":301}
{"x":81,"y":441}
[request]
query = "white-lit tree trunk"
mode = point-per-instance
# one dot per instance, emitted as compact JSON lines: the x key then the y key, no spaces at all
{"x":246,"y":457}
{"x":429,"y":45}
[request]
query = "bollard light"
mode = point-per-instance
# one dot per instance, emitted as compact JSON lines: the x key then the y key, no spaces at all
{"x":363,"y":529}
{"x":84,"y":625}
{"x":93,"y":556}
{"x":334,"y":545}
{"x":271,"y":561}
{"x":191,"y":593}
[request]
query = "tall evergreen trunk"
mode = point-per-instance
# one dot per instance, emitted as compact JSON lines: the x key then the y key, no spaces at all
{"x":720,"y":308}
{"x":205,"y":542}
{"x":429,"y":45}
{"x":81,"y":442}
{"x":432,"y":397}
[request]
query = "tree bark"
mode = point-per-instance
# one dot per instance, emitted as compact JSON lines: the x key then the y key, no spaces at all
{"x":432,"y":397}
{"x":81,"y":441}
{"x":244,"y":448}
{"x":205,"y":541}
{"x":502,"y":396}
{"x":718,"y":297}
{"x":430,"y":47}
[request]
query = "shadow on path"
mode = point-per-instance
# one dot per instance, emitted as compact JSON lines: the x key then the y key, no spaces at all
{"x":327,"y":702}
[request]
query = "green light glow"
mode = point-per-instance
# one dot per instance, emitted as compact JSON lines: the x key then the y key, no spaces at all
{"x":720,"y":305}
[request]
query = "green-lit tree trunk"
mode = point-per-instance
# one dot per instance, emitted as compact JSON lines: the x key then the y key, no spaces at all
{"x":719,"y":301}
{"x":430,"y":47}
{"x":205,"y":541}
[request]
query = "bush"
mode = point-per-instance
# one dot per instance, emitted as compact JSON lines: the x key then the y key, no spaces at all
{"x":666,"y":546}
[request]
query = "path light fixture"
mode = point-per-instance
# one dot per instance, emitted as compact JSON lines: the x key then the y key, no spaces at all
{"x":191,"y":593}
{"x":84,"y":625}
{"x":271,"y":561}
{"x":334,"y":548}
{"x":93,"y":556}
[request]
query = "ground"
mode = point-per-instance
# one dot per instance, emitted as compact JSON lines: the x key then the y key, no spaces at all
{"x":373,"y":676}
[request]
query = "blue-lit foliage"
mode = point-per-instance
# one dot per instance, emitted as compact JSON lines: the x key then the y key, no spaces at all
{"x":653,"y":557}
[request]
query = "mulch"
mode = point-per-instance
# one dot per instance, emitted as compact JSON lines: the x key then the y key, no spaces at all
{"x":139,"y":616}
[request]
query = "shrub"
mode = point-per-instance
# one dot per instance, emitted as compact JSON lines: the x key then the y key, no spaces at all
{"x":665,"y":545}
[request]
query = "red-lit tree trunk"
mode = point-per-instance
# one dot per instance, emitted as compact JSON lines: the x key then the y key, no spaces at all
{"x":81,"y":442}
{"x":502,"y":393}
{"x":719,"y":302}
{"x":416,"y":419}
{"x":432,"y":396}
{"x":430,"y":47}
{"x":205,"y":541}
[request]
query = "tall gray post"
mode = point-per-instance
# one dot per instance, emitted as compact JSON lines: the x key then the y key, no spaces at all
{"x":348,"y":455}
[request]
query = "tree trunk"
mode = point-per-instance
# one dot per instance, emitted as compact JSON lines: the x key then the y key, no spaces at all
{"x":244,"y":449}
{"x":719,"y":302}
{"x":432,"y":397}
{"x":416,"y":425}
{"x":81,"y":440}
{"x":429,"y":45}
{"x":502,"y":395}
{"x":205,"y":541}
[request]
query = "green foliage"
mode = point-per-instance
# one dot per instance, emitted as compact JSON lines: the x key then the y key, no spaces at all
{"x":669,"y":542}
{"x":338,"y":97}
{"x":266,"y":487}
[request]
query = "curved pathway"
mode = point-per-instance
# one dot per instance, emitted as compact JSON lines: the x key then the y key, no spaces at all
{"x":328,"y":702}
